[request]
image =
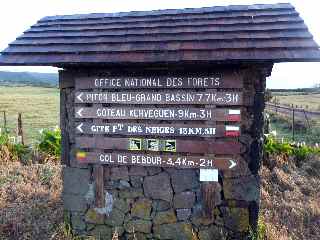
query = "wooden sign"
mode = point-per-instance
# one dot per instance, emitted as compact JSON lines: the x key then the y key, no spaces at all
{"x":161,"y":130}
{"x":159,"y":98}
{"x":220,"y":80}
{"x":162,"y":97}
{"x":150,"y":160}
{"x":158,"y":113}
{"x":164,"y":145}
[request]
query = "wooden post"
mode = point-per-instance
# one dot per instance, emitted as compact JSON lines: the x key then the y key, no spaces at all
{"x":99,"y":185}
{"x":20,"y":129}
{"x":209,"y":189}
{"x":306,"y":117}
{"x":98,"y":172}
{"x":292,"y":122}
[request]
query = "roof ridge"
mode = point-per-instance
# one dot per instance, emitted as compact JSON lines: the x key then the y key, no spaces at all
{"x":159,"y":12}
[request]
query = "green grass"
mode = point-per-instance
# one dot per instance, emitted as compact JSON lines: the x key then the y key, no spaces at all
{"x":282,"y":126}
{"x":39,"y":107}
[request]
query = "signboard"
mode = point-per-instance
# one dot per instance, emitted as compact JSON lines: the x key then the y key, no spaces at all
{"x":160,"y":130}
{"x":219,"y":80}
{"x":153,"y":160}
{"x":164,"y":121}
{"x":165,"y":145}
{"x":153,"y":113}
{"x":168,"y":97}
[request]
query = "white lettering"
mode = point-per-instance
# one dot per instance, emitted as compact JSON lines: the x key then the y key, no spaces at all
{"x":106,"y":158}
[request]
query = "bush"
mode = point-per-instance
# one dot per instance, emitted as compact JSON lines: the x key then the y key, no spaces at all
{"x":272,"y":146}
{"x":261,"y":232}
{"x":50,"y":142}
{"x":11,"y":151}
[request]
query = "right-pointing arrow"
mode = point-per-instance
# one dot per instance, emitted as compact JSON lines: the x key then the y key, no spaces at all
{"x":79,"y":112}
{"x":80,"y":127}
{"x":233,"y":164}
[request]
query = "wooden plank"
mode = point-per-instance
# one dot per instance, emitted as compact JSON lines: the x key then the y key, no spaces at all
{"x":213,"y":37}
{"x":99,"y":185}
{"x":158,"y":113}
{"x":163,"y":97}
{"x":159,"y":145}
{"x":103,"y":24}
{"x":168,"y":30}
{"x":161,"y":130}
{"x":149,"y":160}
{"x":102,"y":59}
{"x":230,"y":79}
{"x":169,"y":46}
{"x":162,"y":16}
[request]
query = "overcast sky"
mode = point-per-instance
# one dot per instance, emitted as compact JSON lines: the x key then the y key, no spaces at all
{"x":18,"y":15}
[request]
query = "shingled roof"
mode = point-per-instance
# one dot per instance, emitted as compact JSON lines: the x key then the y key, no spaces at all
{"x":271,"y":32}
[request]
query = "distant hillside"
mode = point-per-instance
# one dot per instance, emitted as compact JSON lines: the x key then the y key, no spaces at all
{"x":314,"y":89}
{"x":29,"y":78}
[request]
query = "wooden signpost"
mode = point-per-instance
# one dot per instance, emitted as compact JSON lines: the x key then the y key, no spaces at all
{"x":141,"y":92}
{"x":152,"y":160}
{"x":160,"y":130}
{"x":164,"y":121}
{"x":152,"y":113}
{"x":168,"y":97}
{"x":175,"y":145}
{"x":227,"y":80}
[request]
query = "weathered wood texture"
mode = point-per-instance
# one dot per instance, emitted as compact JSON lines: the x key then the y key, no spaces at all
{"x":98,"y":174}
{"x":164,"y":113}
{"x":154,"y":160}
{"x":271,"y":32}
{"x":159,"y":130}
{"x":20,"y":129}
{"x":161,"y":97}
{"x":182,"y":146}
{"x":220,"y":79}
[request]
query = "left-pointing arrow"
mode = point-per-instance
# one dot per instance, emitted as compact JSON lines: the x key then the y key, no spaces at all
{"x":232,"y":164}
{"x":79,"y":112}
{"x":79,"y":97}
{"x":80,"y":127}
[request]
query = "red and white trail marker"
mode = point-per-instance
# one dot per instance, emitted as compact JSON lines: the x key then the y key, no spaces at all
{"x":232,"y":131}
{"x":234,"y":115}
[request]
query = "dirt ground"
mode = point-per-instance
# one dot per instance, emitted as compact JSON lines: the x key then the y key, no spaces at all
{"x":31,"y":207}
{"x":290,"y":198}
{"x":30,"y":203}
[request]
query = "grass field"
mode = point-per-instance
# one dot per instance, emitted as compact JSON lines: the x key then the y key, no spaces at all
{"x":283,"y":127}
{"x":306,"y":101}
{"x":39,"y":107}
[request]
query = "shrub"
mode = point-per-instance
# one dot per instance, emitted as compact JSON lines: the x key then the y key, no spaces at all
{"x":50,"y":142}
{"x":11,"y":151}
{"x":272,"y":146}
{"x":46,"y":174}
{"x":261,"y":232}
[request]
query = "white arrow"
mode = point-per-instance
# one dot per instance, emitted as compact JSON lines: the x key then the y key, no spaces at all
{"x":233,"y":164}
{"x":79,"y":128}
{"x":79,"y":112}
{"x":79,"y":97}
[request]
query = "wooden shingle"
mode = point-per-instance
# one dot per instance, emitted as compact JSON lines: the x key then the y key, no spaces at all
{"x":268,"y":33}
